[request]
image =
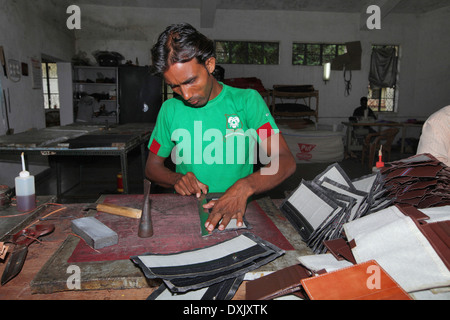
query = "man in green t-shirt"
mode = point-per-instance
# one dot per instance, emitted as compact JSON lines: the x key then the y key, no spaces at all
{"x":210,"y":130}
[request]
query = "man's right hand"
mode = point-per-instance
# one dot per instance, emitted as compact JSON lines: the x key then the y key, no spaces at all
{"x":188,"y":185}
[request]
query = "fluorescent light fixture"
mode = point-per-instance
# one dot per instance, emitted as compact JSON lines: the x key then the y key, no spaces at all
{"x":326,"y":71}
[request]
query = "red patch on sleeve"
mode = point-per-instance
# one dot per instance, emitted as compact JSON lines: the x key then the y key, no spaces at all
{"x":265,"y":131}
{"x":154,"y":147}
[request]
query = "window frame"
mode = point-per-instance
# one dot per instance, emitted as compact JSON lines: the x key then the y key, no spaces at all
{"x":246,"y":57}
{"x":339,"y":49}
{"x":47,"y":91}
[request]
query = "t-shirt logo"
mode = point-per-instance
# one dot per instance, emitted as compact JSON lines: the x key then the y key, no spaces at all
{"x":233,"y":122}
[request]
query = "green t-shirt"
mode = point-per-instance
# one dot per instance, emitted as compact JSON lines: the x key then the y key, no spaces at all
{"x":217,"y":141}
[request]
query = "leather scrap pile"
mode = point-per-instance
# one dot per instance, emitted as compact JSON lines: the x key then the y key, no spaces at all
{"x":420,"y":180}
{"x":394,"y":246}
{"x":211,"y":273}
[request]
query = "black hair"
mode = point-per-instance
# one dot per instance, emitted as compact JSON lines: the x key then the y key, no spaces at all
{"x":180,"y":43}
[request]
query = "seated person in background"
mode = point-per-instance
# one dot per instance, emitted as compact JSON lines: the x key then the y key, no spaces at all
{"x":362,"y":114}
{"x":435,"y":138}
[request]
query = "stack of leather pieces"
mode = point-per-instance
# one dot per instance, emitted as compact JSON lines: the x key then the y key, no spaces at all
{"x":217,"y":270}
{"x":318,"y":209}
{"x":420,"y":180}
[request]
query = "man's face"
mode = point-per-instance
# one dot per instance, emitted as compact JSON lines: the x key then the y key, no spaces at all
{"x":193,"y":81}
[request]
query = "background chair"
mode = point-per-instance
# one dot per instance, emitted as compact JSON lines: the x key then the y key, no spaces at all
{"x":372,"y":144}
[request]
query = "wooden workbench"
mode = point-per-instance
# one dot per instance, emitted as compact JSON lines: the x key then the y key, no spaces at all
{"x":45,"y":271}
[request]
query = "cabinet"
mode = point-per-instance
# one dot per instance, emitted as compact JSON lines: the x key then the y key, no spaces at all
{"x":95,"y":94}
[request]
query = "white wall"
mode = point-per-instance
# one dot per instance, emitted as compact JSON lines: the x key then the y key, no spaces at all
{"x":432,"y":77}
{"x":423,"y":81}
{"x":29,"y":29}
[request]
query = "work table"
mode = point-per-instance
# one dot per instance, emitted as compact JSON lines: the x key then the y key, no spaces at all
{"x":81,"y":140}
{"x":46,"y":268}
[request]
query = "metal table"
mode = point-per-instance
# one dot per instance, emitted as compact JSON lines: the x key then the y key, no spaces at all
{"x":54,"y":142}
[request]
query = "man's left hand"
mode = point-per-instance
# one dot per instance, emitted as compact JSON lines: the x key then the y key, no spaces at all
{"x":231,"y":205}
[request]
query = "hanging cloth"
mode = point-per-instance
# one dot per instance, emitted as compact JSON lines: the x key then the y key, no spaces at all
{"x":383,"y":68}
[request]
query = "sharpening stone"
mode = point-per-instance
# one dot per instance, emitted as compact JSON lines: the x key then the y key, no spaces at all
{"x":95,"y":233}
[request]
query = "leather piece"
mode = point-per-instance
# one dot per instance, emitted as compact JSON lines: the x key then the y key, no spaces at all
{"x":204,"y":267}
{"x":340,"y":249}
{"x":438,"y":234}
{"x":27,"y":236}
{"x":365,"y":281}
{"x":277,"y":284}
{"x":224,"y":290}
{"x":203,"y":262}
{"x":15,"y":263}
{"x":413,"y":212}
{"x":180,"y":285}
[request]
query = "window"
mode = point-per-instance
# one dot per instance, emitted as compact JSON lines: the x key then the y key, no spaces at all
{"x":50,"y":85}
{"x":383,"y":99}
{"x":315,"y":54}
{"x":246,"y":52}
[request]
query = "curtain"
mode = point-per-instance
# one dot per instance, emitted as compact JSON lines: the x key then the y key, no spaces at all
{"x":383,"y":68}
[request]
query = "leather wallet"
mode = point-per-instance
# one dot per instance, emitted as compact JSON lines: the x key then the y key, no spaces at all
{"x":364,"y":281}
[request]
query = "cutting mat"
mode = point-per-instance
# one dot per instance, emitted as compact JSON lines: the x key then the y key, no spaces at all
{"x":176,"y":227}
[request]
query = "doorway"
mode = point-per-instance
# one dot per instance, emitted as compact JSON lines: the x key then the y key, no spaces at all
{"x":51,"y":92}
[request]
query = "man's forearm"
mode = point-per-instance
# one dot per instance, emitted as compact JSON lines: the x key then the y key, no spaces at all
{"x":162,"y":175}
{"x":259,"y":182}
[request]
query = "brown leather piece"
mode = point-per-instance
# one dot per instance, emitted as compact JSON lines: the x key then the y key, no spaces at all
{"x":277,"y":284}
{"x":340,"y":249}
{"x":438,"y":234}
{"x":413,"y":212}
{"x":365,"y":281}
{"x":27,"y":236}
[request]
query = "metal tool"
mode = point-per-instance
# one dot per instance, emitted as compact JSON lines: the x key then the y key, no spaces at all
{"x":145,"y":225}
{"x":22,"y":240}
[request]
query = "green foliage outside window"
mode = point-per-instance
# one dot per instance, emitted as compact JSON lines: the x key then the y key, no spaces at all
{"x":245,"y":52}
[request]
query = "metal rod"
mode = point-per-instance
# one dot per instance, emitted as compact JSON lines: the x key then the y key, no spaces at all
{"x":145,"y":225}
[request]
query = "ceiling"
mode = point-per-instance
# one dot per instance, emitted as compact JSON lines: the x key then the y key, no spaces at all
{"x":395,"y":6}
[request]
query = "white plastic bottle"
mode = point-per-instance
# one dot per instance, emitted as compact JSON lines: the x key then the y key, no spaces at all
{"x":25,"y":192}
